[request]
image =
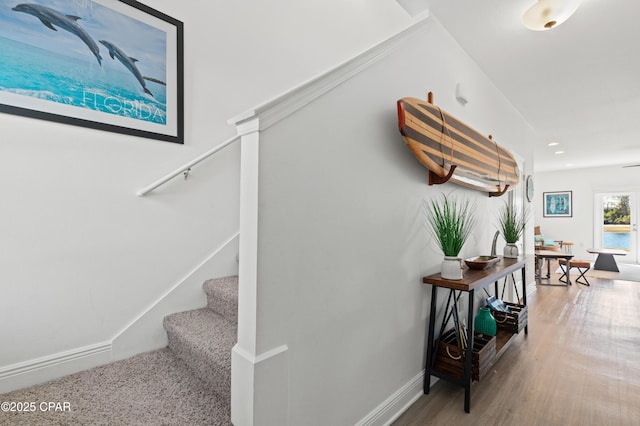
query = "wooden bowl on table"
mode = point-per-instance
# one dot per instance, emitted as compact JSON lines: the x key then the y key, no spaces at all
{"x":481,"y":262}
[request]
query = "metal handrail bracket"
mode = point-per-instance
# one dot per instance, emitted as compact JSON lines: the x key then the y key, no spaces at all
{"x":186,"y":167}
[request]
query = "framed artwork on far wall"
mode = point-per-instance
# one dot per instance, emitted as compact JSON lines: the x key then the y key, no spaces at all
{"x":557,"y":204}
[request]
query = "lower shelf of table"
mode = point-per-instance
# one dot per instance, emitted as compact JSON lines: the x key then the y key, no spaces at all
{"x":503,"y":340}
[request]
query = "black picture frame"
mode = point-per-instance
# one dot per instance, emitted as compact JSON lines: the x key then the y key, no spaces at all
{"x":111,"y":65}
{"x":557,"y":204}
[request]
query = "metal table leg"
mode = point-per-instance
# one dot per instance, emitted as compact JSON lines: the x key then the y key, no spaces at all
{"x":468,"y":360}
{"x":430,"y":350}
{"x":524,"y":294}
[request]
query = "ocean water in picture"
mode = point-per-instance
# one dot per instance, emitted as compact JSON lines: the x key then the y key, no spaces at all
{"x":52,"y":76}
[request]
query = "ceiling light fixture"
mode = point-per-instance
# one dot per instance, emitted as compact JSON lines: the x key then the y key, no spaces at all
{"x":559,"y":152}
{"x":547,"y":14}
{"x":553,"y":144}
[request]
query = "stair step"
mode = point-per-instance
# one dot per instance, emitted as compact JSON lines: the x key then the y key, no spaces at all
{"x":204,"y":339}
{"x":222,"y":296}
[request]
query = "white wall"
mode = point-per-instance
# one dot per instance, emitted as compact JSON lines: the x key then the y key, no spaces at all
{"x":341,"y":239}
{"x":80,"y":255}
{"x":584,"y":183}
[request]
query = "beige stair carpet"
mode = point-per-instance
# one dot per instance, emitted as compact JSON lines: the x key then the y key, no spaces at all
{"x":187,"y":383}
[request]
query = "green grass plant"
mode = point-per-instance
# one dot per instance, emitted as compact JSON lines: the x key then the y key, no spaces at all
{"x":450,"y":223}
{"x":511,"y":223}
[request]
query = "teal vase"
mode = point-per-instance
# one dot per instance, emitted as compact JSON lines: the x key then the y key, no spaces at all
{"x":485,"y":323}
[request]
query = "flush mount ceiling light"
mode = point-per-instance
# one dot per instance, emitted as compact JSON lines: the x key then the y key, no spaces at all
{"x":547,"y":14}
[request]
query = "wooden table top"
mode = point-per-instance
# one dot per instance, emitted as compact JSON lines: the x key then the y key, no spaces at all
{"x":478,"y":278}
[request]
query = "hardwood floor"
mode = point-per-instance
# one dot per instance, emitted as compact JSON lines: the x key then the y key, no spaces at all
{"x":579,"y":365}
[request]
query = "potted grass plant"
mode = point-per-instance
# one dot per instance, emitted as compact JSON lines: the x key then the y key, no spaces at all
{"x":450,"y":223}
{"x":512,"y":226}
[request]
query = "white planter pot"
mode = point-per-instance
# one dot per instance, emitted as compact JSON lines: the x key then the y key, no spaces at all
{"x":451,"y":268}
{"x":511,"y":251}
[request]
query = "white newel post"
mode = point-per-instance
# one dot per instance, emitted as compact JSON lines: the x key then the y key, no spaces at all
{"x":259,"y":381}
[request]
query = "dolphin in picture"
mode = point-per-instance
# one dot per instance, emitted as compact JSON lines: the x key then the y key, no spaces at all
{"x":50,"y":17}
{"x":128,"y":62}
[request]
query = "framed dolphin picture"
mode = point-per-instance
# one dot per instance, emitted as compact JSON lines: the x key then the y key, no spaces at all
{"x":113,"y":65}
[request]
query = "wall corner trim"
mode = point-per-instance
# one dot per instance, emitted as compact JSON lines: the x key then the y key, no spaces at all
{"x":286,"y":104}
{"x":260,"y":387}
{"x":262,"y":357}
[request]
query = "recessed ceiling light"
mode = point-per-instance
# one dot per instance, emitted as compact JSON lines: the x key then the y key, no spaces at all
{"x":559,"y":152}
{"x":569,"y":165}
{"x":553,"y":144}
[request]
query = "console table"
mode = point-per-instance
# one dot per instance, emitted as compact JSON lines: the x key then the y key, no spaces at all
{"x":472,"y":280}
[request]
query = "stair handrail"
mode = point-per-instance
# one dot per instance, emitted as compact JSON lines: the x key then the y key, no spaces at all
{"x":186,"y":167}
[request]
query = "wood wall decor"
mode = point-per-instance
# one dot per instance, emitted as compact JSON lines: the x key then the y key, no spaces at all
{"x":452,"y":150}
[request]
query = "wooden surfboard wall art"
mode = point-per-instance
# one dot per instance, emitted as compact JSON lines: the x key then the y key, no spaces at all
{"x":452,"y":150}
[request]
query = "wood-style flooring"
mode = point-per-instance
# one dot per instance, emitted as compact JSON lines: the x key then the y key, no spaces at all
{"x":579,"y":365}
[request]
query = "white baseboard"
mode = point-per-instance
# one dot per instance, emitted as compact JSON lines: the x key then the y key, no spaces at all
{"x":44,"y":369}
{"x":396,"y":404}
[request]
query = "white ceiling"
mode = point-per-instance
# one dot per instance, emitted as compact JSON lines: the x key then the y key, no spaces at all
{"x":577,"y":84}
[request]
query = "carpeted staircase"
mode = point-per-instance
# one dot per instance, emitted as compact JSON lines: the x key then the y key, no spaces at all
{"x":203,"y":338}
{"x":187,"y":383}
